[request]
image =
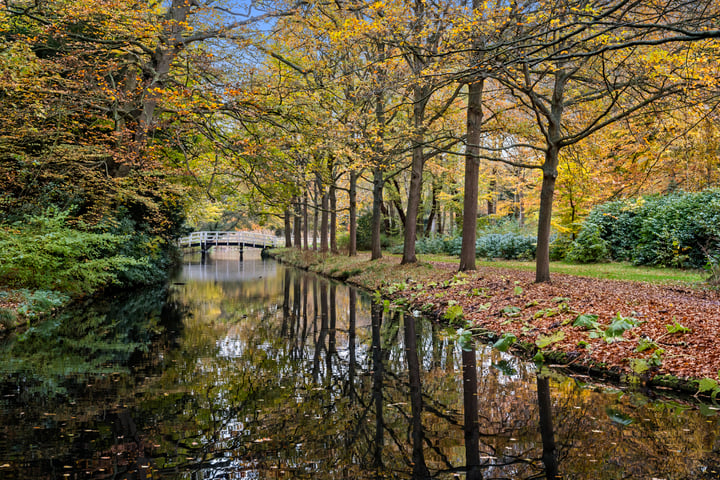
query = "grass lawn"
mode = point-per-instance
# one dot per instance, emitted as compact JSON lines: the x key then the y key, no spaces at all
{"x":610,"y":271}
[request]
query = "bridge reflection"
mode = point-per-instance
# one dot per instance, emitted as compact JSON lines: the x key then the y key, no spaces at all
{"x":225,"y":270}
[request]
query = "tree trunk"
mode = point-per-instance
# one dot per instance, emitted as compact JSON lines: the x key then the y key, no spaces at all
{"x":491,"y":206}
{"x":398,"y":205}
{"x":176,"y":15}
{"x":376,"y":314}
{"x":324,"y":222}
{"x":378,"y":157}
{"x":378,"y":183}
{"x":315,"y":218}
{"x":550,"y":173}
{"x":542,"y":260}
{"x":288,"y":228}
{"x":305,"y":221}
{"x":352,"y":201}
{"x":352,"y":358}
{"x":333,"y":218}
{"x":332,"y":330}
{"x":385,"y":218}
{"x":433,"y":210}
{"x":297,"y":224}
{"x":472,"y":166}
{"x":520,"y":207}
{"x":418,"y":163}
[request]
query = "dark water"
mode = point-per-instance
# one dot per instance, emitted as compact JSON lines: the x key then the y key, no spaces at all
{"x":254,"y":370}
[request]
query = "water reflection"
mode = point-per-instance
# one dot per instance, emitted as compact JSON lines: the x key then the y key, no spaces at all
{"x":281,"y":374}
{"x":471,"y":426}
{"x":547,"y":434}
{"x":419,"y":467}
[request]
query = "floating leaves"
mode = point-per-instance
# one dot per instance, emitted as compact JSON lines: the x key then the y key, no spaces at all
{"x":618,"y":417}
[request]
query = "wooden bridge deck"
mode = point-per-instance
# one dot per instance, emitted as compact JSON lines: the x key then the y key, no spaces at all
{"x":206,"y":240}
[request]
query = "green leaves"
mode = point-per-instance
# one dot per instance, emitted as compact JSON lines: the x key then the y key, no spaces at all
{"x":544,"y":341}
{"x":511,"y":311}
{"x":645,"y":344}
{"x":709,"y":385}
{"x":465,"y":339}
{"x":614,"y":332}
{"x":677,"y":328}
{"x":505,"y":342}
{"x":454,"y":314}
{"x":642,"y":365}
{"x":46,"y":254}
{"x":587,"y":321}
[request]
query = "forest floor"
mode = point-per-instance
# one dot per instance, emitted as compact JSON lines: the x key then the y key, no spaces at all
{"x":661,"y":334}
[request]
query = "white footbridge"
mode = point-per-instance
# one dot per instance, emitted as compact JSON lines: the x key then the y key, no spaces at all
{"x":206,"y":240}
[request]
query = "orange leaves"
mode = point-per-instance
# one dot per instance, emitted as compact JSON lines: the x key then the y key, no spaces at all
{"x":691,"y":354}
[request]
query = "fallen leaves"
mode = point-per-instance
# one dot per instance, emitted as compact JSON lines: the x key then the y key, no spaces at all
{"x":682,"y":322}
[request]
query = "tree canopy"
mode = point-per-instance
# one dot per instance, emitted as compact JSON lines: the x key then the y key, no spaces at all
{"x":239,"y":114}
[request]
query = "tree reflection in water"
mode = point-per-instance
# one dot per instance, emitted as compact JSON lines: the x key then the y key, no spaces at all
{"x":377,"y":386}
{"x":471,"y":426}
{"x":549,"y":450}
{"x":419,"y":468}
{"x":290,"y":376}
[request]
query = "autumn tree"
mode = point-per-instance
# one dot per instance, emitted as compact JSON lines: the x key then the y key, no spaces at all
{"x":574,"y":71}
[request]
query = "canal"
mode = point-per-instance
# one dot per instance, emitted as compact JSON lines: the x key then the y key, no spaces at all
{"x":257,"y":370}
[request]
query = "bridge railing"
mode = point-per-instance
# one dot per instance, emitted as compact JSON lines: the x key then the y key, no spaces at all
{"x":229,"y":238}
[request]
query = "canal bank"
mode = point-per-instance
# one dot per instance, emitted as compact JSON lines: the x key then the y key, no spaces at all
{"x":632,"y":332}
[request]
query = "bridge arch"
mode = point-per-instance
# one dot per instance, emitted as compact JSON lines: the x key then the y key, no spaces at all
{"x":206,"y":240}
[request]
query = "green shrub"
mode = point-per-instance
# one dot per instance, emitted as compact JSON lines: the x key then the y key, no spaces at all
{"x":45,"y":253}
{"x":619,"y":223}
{"x":343,"y":241}
{"x":432,"y":244}
{"x":364,"y":231}
{"x":713,"y":267}
{"x":453,"y":245}
{"x":589,"y":246}
{"x":508,"y":246}
{"x":8,"y":318}
{"x":560,"y":246}
{"x":677,"y":230}
{"x":503,"y":226}
{"x":40,"y":302}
